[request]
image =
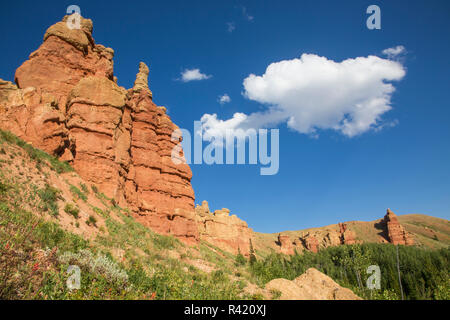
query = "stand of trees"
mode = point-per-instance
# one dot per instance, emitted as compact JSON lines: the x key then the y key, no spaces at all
{"x":424,"y":274}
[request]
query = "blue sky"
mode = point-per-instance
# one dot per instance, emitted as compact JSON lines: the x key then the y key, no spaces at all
{"x":321,"y":180}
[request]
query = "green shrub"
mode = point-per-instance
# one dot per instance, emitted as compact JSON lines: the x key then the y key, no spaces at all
{"x":218,"y":276}
{"x":99,"y":212}
{"x":72,"y":210}
{"x":77,"y":193}
{"x":4,"y":188}
{"x":240,"y":259}
{"x":84,"y":188}
{"x":98,"y":264}
{"x":164,"y":242}
{"x":94,"y":189}
{"x":49,"y":197}
{"x":91,"y":220}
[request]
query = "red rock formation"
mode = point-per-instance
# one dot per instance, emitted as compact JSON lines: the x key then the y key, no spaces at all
{"x":331,"y":239}
{"x":311,"y":243}
{"x":32,"y":116}
{"x":222,"y":230}
{"x":157,"y":188}
{"x":95,"y":110}
{"x":64,"y":58}
{"x":347,"y":236}
{"x":396,"y":233}
{"x":68,"y":103}
{"x":285,"y":243}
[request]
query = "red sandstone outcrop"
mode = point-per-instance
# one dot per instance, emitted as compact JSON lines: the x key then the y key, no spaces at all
{"x":156,"y":188}
{"x":347,"y":236}
{"x":285,"y":243}
{"x":224,"y":231}
{"x":311,"y":243}
{"x":32,"y":116}
{"x":64,"y":58}
{"x":396,"y":233}
{"x":66,"y":101}
{"x":330,"y":239}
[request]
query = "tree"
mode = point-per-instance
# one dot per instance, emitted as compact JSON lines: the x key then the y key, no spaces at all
{"x":240,"y":259}
{"x":252,"y":253}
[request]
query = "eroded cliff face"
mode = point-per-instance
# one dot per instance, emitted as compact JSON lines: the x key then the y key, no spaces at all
{"x":224,"y":231}
{"x":334,"y":235}
{"x":156,"y":188}
{"x":315,"y":240}
{"x":286,"y":244}
{"x":66,"y":101}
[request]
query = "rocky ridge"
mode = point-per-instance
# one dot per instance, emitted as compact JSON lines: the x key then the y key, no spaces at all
{"x":314,"y":240}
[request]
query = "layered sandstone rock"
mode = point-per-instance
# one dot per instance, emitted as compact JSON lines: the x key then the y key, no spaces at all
{"x":330,"y":239}
{"x":32,"y":116}
{"x":156,"y":188}
{"x":66,"y":101}
{"x":310,"y":242}
{"x":95,"y":112}
{"x":64,"y":58}
{"x":224,"y":231}
{"x":395,"y":231}
{"x":285,"y":244}
{"x":346,"y":236}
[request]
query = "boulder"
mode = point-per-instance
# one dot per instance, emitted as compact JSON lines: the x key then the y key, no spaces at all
{"x":312,"y":285}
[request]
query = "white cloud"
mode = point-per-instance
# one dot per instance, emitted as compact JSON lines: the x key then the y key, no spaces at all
{"x":314,"y":93}
{"x":231,"y":26}
{"x":224,"y":99}
{"x":192,"y":75}
{"x":393,"y":52}
{"x":246,"y":15}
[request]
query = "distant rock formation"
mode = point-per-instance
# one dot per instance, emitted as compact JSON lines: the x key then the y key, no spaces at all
{"x":222,"y":230}
{"x":311,"y":243}
{"x":316,"y":239}
{"x":346,"y":236}
{"x":395,"y":231}
{"x":285,"y":243}
{"x":66,"y":101}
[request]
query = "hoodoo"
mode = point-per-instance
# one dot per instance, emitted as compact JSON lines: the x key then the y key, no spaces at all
{"x":395,"y":231}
